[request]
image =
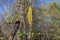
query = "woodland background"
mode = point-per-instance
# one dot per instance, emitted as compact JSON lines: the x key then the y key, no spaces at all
{"x":44,"y":19}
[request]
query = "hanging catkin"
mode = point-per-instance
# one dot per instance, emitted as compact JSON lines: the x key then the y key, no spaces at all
{"x":30,"y":15}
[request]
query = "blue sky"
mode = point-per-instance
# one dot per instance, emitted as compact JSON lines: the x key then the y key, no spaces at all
{"x":37,"y":3}
{"x":5,"y":5}
{"x":48,"y":0}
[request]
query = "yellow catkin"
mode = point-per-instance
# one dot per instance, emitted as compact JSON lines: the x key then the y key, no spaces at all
{"x":30,"y":15}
